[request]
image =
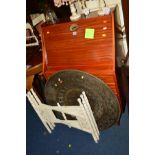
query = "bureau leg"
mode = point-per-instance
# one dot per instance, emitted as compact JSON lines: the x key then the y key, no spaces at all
{"x":74,"y":16}
{"x":101,"y":6}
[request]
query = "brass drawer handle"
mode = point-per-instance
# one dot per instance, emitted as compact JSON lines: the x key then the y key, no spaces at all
{"x":73,"y":27}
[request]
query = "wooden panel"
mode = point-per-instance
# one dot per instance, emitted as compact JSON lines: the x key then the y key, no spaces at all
{"x":34,"y":70}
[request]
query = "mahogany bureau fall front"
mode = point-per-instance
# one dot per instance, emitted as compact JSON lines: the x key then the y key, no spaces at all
{"x":66,"y":49}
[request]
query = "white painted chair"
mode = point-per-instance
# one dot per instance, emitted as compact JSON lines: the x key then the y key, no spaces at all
{"x":80,"y":117}
{"x":30,"y":36}
{"x":37,"y":20}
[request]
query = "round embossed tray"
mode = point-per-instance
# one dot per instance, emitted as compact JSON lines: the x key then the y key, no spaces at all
{"x":67,"y":85}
